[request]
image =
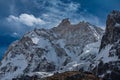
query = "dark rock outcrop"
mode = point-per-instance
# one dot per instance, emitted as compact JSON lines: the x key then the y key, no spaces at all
{"x":73,"y":75}
{"x":110,"y":67}
{"x":69,"y":75}
{"x":112,"y":32}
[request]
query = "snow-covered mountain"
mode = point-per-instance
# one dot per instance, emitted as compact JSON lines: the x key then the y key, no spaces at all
{"x":108,"y":59}
{"x":43,"y":51}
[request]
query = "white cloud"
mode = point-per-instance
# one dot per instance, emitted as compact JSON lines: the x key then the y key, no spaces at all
{"x":26,"y":19}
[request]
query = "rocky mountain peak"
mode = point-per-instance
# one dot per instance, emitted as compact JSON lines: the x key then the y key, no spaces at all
{"x":64,"y":22}
{"x":49,"y":50}
{"x":112,"y":32}
{"x":109,"y":52}
{"x":113,"y":18}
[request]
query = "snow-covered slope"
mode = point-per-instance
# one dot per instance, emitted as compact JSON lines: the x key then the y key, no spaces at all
{"x":50,"y":50}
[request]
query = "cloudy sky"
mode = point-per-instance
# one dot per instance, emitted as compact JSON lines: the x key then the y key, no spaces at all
{"x":20,"y":16}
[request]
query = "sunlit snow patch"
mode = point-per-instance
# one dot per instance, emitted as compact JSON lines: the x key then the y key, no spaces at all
{"x":117,"y":25}
{"x":35,"y":40}
{"x":104,"y":55}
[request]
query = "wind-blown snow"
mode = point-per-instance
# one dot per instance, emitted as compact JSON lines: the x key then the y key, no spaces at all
{"x":90,"y":49}
{"x":76,"y":66}
{"x":104,"y":55}
{"x":41,"y":74}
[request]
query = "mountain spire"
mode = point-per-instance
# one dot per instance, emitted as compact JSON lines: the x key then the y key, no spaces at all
{"x":64,"y":22}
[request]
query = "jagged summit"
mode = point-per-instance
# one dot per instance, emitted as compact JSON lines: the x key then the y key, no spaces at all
{"x":115,"y":14}
{"x":65,"y":27}
{"x":113,"y":18}
{"x":65,"y":22}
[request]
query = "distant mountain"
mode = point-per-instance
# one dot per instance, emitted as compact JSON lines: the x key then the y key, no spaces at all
{"x":63,"y":48}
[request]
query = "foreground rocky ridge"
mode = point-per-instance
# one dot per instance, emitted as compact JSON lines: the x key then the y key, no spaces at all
{"x":68,"y":75}
{"x":62,"y":48}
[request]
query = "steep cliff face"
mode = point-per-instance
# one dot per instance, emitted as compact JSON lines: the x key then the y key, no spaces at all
{"x":109,"y":53}
{"x":112,"y":32}
{"x":49,"y":50}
